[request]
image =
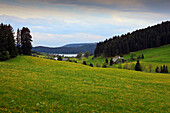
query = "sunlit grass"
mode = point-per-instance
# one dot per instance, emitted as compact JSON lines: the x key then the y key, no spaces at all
{"x":30,"y":84}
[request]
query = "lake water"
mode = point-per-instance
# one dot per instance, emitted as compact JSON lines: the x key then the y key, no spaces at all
{"x":68,"y":55}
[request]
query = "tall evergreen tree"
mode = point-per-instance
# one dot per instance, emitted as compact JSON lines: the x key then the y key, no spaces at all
{"x":161,"y":70}
{"x":138,"y":66}
{"x":18,"y":41}
{"x":11,"y":42}
{"x":26,"y":40}
{"x":111,"y":61}
{"x":106,"y":60}
{"x":166,"y":69}
{"x":157,"y":69}
{"x":142,"y":56}
{"x":7,"y":42}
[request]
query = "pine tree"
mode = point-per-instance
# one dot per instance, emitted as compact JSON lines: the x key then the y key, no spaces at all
{"x":142,"y":56}
{"x":11,"y":42}
{"x":166,"y":69}
{"x":106,"y":60}
{"x":26,"y":40}
{"x":138,"y":66}
{"x":111,"y":61}
{"x":161,"y":70}
{"x":157,"y":69}
{"x":86,"y":54}
{"x":18,"y":41}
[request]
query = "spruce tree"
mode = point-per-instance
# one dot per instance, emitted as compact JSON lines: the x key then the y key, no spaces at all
{"x":138,"y":66}
{"x":18,"y":41}
{"x":157,"y":69}
{"x":161,"y":70}
{"x":111,"y":62}
{"x":142,"y":56}
{"x":106,"y":60}
{"x":164,"y":69}
{"x":26,"y":40}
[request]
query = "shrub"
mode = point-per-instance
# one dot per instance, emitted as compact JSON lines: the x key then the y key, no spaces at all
{"x":91,"y":64}
{"x":120,"y":66}
{"x":98,"y":65}
{"x":4,"y":55}
{"x":60,"y":58}
{"x":150,"y":67}
{"x":84,"y":62}
{"x":104,"y":65}
{"x":126,"y":66}
{"x":133,"y":56}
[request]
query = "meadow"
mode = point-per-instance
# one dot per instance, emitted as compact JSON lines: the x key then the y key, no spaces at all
{"x":153,"y":56}
{"x":30,"y":84}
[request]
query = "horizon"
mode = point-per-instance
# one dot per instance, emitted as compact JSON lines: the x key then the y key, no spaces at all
{"x":55,"y":23}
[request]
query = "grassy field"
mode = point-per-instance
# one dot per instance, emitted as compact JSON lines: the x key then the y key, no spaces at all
{"x":153,"y":56}
{"x":30,"y":84}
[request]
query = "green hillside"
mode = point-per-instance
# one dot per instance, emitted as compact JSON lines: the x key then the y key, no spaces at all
{"x":154,"y":56}
{"x":30,"y":84}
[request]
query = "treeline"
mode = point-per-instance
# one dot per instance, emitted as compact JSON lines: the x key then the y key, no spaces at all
{"x":149,"y":37}
{"x":11,"y":47}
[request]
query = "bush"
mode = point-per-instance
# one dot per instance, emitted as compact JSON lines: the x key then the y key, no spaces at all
{"x":120,"y":66}
{"x":126,"y":66}
{"x":91,"y":64}
{"x":4,"y":55}
{"x":84,"y":62}
{"x":98,"y":65}
{"x":104,"y":65}
{"x":70,"y":60}
{"x":60,"y":58}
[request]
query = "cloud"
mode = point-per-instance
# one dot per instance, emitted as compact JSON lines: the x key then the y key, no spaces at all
{"x":64,"y":21}
{"x":56,"y":40}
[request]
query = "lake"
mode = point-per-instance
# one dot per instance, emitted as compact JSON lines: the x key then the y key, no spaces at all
{"x":67,"y":55}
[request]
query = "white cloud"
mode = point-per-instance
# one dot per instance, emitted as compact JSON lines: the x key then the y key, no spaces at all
{"x":57,"y":40}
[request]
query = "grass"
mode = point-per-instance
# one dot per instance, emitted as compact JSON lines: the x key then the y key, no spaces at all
{"x":30,"y":84}
{"x":153,"y":56}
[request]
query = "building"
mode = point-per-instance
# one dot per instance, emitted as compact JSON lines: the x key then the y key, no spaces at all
{"x":118,"y":59}
{"x":65,"y":59}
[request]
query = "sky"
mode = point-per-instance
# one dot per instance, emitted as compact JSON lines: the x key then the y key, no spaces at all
{"x":55,"y":23}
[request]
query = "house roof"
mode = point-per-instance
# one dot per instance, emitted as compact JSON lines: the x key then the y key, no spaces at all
{"x":116,"y":58}
{"x":64,"y":59}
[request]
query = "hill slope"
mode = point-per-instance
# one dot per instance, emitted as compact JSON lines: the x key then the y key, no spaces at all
{"x":30,"y":84}
{"x":149,"y":37}
{"x":155,"y":56}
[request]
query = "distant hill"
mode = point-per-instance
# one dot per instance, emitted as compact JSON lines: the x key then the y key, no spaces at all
{"x":78,"y":45}
{"x":150,"y":37}
{"x":67,"y":49}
